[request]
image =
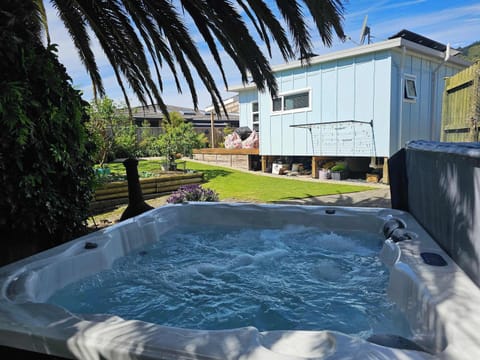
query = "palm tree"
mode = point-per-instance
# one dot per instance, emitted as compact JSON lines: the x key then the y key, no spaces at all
{"x":131,"y":31}
{"x":45,"y":163}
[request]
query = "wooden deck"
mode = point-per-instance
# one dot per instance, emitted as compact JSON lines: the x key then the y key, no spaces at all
{"x":223,"y":151}
{"x":236,"y":158}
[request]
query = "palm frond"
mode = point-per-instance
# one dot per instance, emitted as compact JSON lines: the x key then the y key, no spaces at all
{"x":120,"y":44}
{"x":293,"y":16}
{"x":43,"y":16}
{"x":328,"y":15}
{"x":135,"y":33}
{"x":74,"y":21}
{"x":268,"y":19}
{"x":183,"y":48}
{"x":202,"y":24}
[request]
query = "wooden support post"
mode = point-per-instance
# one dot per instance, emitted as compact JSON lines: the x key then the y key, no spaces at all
{"x":315,"y":167}
{"x":264,"y":163}
{"x":385,"y":180}
{"x":212,"y":130}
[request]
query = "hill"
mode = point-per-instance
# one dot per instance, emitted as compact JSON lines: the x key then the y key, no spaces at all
{"x":471,"y":52}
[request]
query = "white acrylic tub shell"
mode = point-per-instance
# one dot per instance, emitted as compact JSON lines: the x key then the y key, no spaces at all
{"x":439,"y":302}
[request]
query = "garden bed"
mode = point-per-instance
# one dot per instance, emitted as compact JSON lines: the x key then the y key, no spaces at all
{"x":115,"y":193}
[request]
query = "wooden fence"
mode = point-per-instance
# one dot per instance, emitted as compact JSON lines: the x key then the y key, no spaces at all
{"x":461,"y":106}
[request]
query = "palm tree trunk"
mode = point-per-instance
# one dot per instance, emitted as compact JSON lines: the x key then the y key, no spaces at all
{"x":136,"y":203}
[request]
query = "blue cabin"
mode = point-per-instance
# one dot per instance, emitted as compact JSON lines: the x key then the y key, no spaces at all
{"x":364,"y":102}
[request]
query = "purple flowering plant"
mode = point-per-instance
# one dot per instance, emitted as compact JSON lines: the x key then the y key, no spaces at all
{"x":192,"y":192}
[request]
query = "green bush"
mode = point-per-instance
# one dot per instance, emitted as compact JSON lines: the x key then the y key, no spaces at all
{"x":101,"y":124}
{"x":45,"y":163}
{"x":339,"y":167}
{"x":148,"y":145}
{"x":179,"y":137}
{"x":227,"y":130}
{"x":126,"y":141}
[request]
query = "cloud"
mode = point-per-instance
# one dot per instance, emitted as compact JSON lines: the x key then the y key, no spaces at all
{"x":458,"y":24}
{"x":380,"y":6}
{"x":452,"y":23}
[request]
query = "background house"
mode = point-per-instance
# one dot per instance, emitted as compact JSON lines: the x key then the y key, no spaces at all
{"x":218,"y":122}
{"x":199,"y":119}
{"x":202,"y":121}
{"x":362,"y":103}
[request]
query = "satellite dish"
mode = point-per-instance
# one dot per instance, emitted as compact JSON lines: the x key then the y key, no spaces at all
{"x":365,"y":32}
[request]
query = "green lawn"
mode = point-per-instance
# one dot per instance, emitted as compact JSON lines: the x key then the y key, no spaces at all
{"x":241,"y":186}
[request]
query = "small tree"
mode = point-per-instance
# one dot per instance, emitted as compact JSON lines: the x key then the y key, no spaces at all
{"x":126,"y":145}
{"x":113,"y":132}
{"x":179,"y":137}
{"x":148,"y":145}
{"x":101,"y":126}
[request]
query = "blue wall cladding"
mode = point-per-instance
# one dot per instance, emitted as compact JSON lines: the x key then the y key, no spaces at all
{"x":355,"y":104}
{"x":339,"y":91}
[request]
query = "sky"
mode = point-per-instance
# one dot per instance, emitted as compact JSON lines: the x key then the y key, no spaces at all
{"x":447,"y":21}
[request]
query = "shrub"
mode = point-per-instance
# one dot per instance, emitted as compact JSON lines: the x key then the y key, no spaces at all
{"x":104,"y":119}
{"x":328,"y":165}
{"x":148,"y":143}
{"x":126,"y":142}
{"x":149,"y":147}
{"x":202,"y":140}
{"x":227,"y":130}
{"x":339,"y":167}
{"x":192,"y":193}
{"x":46,"y":170}
{"x":179,"y":138}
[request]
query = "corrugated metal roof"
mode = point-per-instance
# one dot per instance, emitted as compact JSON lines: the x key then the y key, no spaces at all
{"x":419,"y":39}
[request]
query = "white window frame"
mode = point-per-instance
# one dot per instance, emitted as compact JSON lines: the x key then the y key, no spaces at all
{"x":407,"y":95}
{"x":257,"y":122}
{"x":293,"y":92}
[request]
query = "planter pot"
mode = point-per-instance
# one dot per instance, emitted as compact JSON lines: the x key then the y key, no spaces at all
{"x":324,"y":174}
{"x":103,"y":171}
{"x":374,"y":178}
{"x":339,"y":175}
{"x":279,"y":169}
{"x":169,"y":166}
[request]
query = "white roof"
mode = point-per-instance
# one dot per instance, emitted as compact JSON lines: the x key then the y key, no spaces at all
{"x":225,"y":102}
{"x":393,"y":44}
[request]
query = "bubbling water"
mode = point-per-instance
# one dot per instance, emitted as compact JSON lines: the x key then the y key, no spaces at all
{"x":215,"y":278}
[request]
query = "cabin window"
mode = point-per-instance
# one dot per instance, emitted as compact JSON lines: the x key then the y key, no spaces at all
{"x":295,"y":101}
{"x":299,"y":100}
{"x":410,"y":90}
{"x":255,"y":117}
{"x":277,"y":104}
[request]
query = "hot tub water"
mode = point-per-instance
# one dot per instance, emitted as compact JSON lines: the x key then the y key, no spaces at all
{"x":211,"y":278}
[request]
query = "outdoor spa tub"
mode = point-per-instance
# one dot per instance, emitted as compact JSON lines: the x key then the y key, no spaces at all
{"x":438,"y":301}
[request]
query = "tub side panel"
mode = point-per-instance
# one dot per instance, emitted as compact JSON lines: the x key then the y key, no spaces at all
{"x":444,"y":196}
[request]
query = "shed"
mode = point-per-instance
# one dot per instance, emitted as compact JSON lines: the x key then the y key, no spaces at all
{"x":367,"y":101}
